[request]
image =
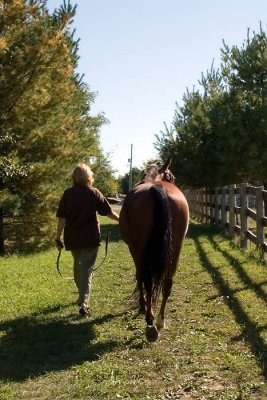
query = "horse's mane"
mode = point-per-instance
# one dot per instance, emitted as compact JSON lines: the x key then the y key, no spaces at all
{"x":152,"y":171}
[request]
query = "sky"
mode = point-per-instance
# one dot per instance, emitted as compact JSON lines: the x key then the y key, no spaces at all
{"x":141,"y":56}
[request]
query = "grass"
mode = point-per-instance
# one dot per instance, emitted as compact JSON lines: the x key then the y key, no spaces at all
{"x":214,"y":345}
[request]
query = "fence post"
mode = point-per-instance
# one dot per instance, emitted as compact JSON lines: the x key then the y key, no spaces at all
{"x":206,"y":206}
{"x":243,"y":214}
{"x":190,"y":200}
{"x":259,"y":217}
{"x":232,"y":216}
{"x":223,"y":207}
{"x":203,"y":206}
{"x":212,"y":205}
{"x":197,"y":205}
{"x":197,"y":200}
{"x":202,"y":210}
{"x":216,"y":202}
{"x":194,"y":205}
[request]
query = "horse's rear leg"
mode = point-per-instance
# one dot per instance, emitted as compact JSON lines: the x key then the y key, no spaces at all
{"x":142,"y":301}
{"x":166,"y":291}
{"x":151,"y":329}
{"x":140,"y":289}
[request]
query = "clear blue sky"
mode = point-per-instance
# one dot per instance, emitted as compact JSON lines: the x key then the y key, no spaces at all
{"x":140,"y":56}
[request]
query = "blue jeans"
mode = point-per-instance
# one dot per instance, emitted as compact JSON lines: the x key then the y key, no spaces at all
{"x":84,"y":260}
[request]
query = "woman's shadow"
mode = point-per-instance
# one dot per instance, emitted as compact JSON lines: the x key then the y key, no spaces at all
{"x":32,"y":346}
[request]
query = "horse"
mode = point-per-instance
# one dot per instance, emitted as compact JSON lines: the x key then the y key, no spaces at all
{"x":153,"y":223}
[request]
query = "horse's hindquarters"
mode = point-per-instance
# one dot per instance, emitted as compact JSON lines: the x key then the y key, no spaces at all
{"x":136,"y":219}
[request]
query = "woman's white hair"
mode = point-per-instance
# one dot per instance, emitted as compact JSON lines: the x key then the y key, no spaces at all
{"x":83,"y":174}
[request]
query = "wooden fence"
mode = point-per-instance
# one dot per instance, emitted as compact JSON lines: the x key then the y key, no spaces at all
{"x":241,"y":209}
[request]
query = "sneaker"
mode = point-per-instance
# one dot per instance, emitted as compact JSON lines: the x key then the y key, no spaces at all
{"x":84,"y":310}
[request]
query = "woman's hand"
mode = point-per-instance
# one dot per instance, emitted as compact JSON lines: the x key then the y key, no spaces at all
{"x":59,"y":244}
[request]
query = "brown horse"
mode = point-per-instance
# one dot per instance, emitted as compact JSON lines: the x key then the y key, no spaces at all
{"x":153,"y":222}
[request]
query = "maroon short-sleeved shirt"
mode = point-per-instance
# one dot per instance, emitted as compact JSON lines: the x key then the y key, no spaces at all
{"x":79,"y":205}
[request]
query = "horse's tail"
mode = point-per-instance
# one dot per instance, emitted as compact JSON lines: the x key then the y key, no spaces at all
{"x":156,"y":259}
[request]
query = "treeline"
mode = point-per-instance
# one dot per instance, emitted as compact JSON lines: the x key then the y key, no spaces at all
{"x":46,"y":126}
{"x":219,"y":135}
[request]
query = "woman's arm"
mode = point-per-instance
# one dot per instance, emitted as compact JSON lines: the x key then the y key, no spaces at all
{"x":113,"y":215}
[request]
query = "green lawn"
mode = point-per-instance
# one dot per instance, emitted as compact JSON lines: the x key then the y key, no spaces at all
{"x":213,"y":347}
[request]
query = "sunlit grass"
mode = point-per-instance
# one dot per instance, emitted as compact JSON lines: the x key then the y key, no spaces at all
{"x":213,"y":347}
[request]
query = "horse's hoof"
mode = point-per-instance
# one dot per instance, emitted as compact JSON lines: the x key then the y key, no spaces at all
{"x":151,"y":333}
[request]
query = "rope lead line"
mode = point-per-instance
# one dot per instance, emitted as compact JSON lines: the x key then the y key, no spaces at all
{"x":58,"y":257}
{"x":106,"y":252}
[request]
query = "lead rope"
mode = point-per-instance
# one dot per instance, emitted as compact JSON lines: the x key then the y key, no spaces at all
{"x":61,"y":245}
{"x":106,"y":251}
{"x":58,"y":258}
{"x":96,"y":268}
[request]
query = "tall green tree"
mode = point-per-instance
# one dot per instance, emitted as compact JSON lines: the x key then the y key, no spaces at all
{"x":46,"y":126}
{"x":246,"y":72}
{"x":219,"y":135}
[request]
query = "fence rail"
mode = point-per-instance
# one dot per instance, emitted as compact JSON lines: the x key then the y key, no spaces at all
{"x":241,"y":209}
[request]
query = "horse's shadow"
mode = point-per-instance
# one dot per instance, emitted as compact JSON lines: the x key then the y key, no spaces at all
{"x":32,"y":346}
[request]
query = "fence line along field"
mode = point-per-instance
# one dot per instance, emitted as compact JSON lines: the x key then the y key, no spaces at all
{"x":213,"y":347}
{"x":240,"y":209}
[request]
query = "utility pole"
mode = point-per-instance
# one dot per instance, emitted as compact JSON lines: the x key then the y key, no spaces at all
{"x":131,"y":169}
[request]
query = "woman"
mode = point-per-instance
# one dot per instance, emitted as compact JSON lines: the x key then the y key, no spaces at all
{"x":77,"y":215}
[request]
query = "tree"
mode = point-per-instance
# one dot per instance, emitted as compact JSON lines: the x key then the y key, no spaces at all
{"x":219,"y":135}
{"x":104,"y":175}
{"x":246,"y":72}
{"x":46,"y":125}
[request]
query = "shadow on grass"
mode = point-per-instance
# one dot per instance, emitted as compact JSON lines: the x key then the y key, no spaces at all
{"x":250,"y":330}
{"x":32,"y":346}
{"x":240,"y":270}
{"x":197,"y":230}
